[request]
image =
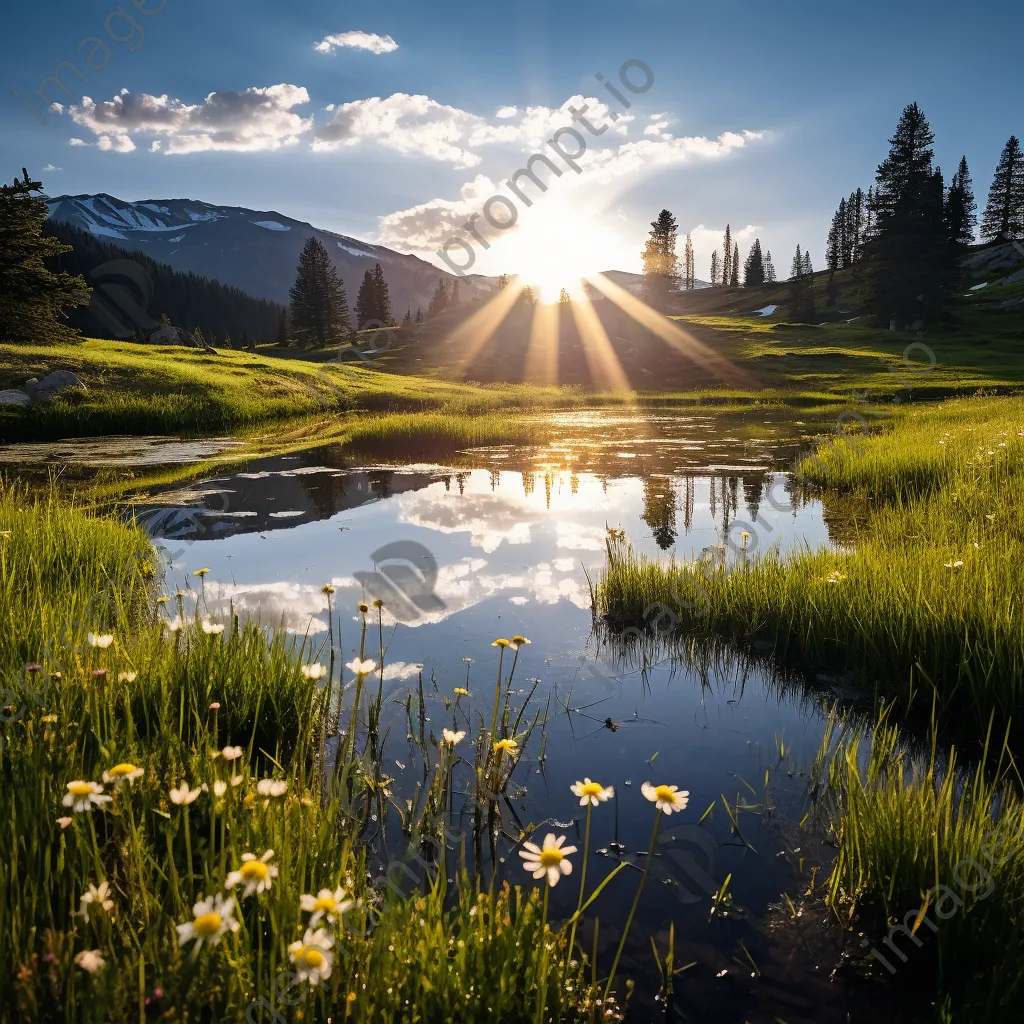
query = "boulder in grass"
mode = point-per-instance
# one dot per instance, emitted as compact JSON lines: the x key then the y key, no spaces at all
{"x":14,"y":397}
{"x":47,"y":389}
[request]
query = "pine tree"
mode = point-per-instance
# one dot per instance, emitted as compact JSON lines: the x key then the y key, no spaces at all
{"x":439,"y":300}
{"x":715,"y":262}
{"x":769,"y":269}
{"x":961,"y":208}
{"x":727,"y":256}
{"x":754,"y":269}
{"x":32,"y":296}
{"x":455,"y":292}
{"x":691,"y":276}
{"x":407,"y":319}
{"x":419,"y":315}
{"x":381,"y":297}
{"x":837,"y":236}
{"x":910,"y":264}
{"x":801,"y":291}
{"x":282,"y":329}
{"x":734,"y":276}
{"x":1004,"y":211}
{"x":661,"y":265}
{"x":319,"y":307}
{"x":563,"y":297}
{"x":853,"y":236}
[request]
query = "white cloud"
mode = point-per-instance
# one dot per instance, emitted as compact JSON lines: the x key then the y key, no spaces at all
{"x":424,"y":228}
{"x":404,"y":123}
{"x":506,"y":112}
{"x":256,"y":119}
{"x":656,"y":129}
{"x":51,"y":168}
{"x":358,"y":41}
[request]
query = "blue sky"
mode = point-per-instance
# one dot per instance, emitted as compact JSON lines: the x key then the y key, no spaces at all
{"x":761,"y":115}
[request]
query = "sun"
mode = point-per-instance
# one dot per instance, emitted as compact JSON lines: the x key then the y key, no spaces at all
{"x":556,"y":246}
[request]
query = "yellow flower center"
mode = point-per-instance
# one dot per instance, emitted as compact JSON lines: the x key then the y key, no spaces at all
{"x":551,"y":858}
{"x":591,"y":789}
{"x":312,"y":958}
{"x":254,"y":871}
{"x":207,"y":925}
{"x":122,"y":769}
{"x":326,"y":903}
{"x":79,"y":788}
{"x":664,"y":793}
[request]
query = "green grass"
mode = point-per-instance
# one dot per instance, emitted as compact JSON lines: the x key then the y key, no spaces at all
{"x":892,"y":605}
{"x":73,"y":710}
{"x":136,"y":389}
{"x":930,"y":867}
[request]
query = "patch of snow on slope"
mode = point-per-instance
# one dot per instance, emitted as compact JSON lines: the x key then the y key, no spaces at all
{"x":978,"y":287}
{"x":363,"y":252}
{"x":766,"y":311}
{"x":177,"y":238}
{"x":270,"y":225}
{"x":103,"y":229}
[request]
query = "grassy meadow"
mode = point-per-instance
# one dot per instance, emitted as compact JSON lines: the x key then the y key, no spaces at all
{"x":186,"y":817}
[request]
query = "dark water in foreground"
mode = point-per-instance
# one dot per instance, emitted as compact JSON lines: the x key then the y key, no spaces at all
{"x":514,"y":534}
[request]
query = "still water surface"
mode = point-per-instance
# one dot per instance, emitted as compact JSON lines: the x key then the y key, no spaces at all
{"x":517,"y":534}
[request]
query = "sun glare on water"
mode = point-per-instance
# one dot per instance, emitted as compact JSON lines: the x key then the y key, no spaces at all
{"x":555,"y":248}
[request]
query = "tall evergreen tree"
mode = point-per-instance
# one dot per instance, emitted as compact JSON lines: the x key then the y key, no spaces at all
{"x":319,"y":307}
{"x":691,"y":276}
{"x":961,"y":208}
{"x":419,"y":315}
{"x":727,"y":256}
{"x":366,"y":306}
{"x":439,"y":301}
{"x":661,"y":265}
{"x":734,"y":275}
{"x":715,"y":264}
{"x":853,"y":235}
{"x":282,"y":329}
{"x":837,"y":237}
{"x":910,"y":263}
{"x":381,"y":297}
{"x":455,"y":292}
{"x":1004,"y":211}
{"x":769,"y":269}
{"x":407,"y":319}
{"x":32,"y":297}
{"x":801,"y":290}
{"x":754,"y":270}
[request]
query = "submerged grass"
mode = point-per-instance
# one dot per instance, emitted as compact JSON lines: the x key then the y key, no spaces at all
{"x":172,"y":844}
{"x":924,"y":599}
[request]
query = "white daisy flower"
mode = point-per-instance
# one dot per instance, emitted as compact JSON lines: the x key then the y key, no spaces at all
{"x":665,"y":798}
{"x":592,"y":793}
{"x":100,"y":640}
{"x":90,"y":961}
{"x":209,"y":626}
{"x":271,"y":787}
{"x":312,"y":956}
{"x":361,"y":667}
{"x":255,"y":875}
{"x":184,"y":795}
{"x":83,"y":796}
{"x":549,"y":860}
{"x":212,"y":919}
{"x":314,"y":671}
{"x":451,"y":737}
{"x":325,"y":904}
{"x":124,"y":772}
{"x":231,"y":753}
{"x":97,"y":896}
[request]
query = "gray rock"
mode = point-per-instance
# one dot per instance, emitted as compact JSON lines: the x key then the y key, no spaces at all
{"x":15,"y":397}
{"x":47,"y":389}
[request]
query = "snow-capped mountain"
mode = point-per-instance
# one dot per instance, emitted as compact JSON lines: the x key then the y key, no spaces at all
{"x":255,"y":250}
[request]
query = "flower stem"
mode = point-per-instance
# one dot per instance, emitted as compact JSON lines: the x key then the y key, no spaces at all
{"x":542,"y":988}
{"x":583,"y":882}
{"x":632,"y":909}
